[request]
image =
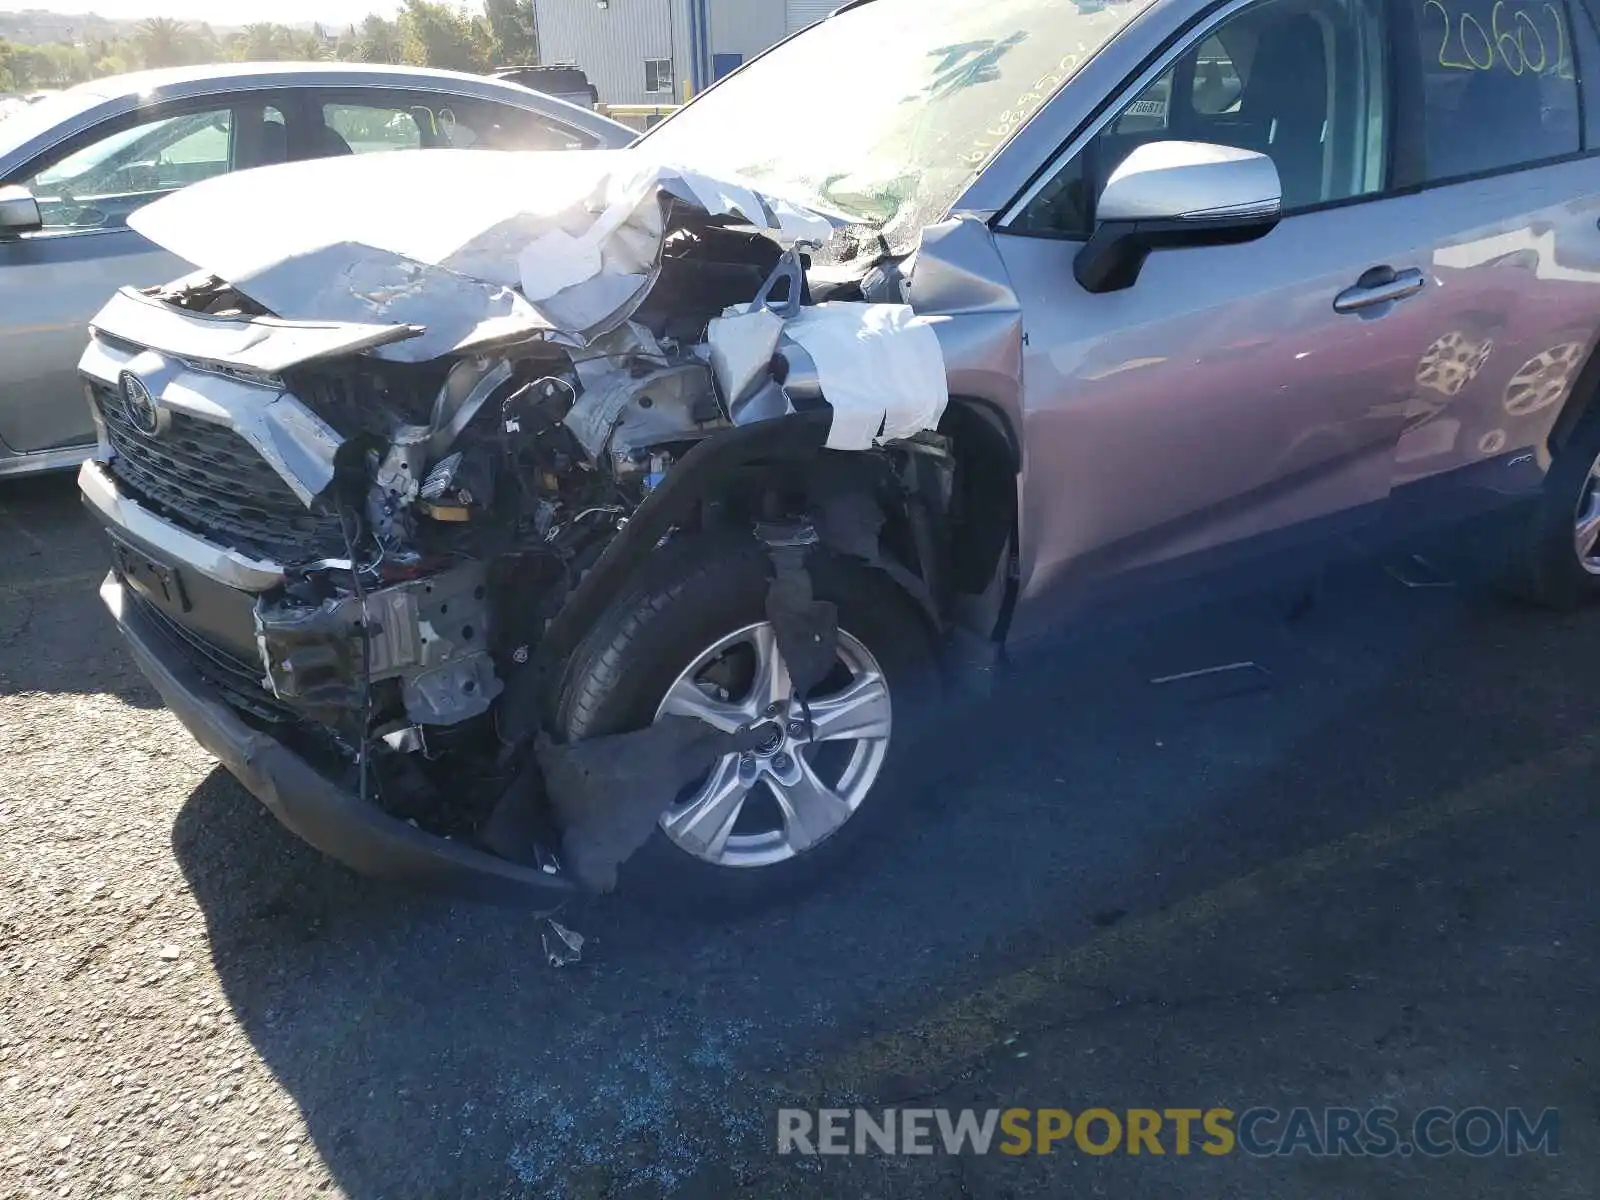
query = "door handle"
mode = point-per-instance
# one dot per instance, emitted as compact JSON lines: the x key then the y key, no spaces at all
{"x":1380,"y":285}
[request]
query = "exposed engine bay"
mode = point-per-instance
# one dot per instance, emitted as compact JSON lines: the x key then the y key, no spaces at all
{"x":457,"y":504}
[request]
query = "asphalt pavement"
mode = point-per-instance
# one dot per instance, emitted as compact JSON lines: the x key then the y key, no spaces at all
{"x":1358,"y":875}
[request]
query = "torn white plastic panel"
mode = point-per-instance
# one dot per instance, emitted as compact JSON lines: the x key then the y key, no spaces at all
{"x":590,"y":272}
{"x":596,"y":266}
{"x":881,"y":369}
{"x":447,"y":238}
{"x":742,"y":343}
{"x":786,"y":223}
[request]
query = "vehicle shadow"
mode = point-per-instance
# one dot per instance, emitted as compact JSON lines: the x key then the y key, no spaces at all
{"x":55,"y":635}
{"x":431,"y":1050}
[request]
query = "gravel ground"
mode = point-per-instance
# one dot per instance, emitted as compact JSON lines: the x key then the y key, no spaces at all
{"x":122,"y":1070}
{"x":193,"y":1004}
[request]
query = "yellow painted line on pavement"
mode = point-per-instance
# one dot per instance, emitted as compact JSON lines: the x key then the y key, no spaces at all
{"x":975,"y":1024}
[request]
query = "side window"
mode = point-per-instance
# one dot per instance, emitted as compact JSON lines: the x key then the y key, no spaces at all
{"x":263,"y":139}
{"x":97,"y":185}
{"x":1499,"y":88}
{"x":463,"y":123}
{"x":1302,"y":81}
{"x":1150,"y":113}
{"x":1217,"y":87}
{"x":365,"y":129}
{"x":658,"y":75}
{"x":413,"y":121}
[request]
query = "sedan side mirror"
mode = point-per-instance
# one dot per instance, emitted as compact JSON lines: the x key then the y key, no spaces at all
{"x":19,"y":212}
{"x":1170,"y":194}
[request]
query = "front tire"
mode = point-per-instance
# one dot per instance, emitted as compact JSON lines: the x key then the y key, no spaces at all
{"x":692,"y":639}
{"x":1554,"y":558}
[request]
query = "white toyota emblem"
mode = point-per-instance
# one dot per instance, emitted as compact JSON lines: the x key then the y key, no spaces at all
{"x":138,"y":405}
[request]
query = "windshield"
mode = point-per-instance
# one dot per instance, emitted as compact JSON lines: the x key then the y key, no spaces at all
{"x":25,"y":124}
{"x":884,"y":114}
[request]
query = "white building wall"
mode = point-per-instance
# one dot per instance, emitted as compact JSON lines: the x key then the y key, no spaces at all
{"x":611,"y":44}
{"x":748,"y":27}
{"x":807,"y":12}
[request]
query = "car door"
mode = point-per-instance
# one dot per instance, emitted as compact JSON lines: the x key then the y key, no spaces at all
{"x":52,"y":281}
{"x":1497,"y":161}
{"x":374,"y":120}
{"x":1234,"y":393}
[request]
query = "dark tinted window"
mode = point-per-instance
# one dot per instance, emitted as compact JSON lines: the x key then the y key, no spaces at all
{"x":1301,"y":81}
{"x":1499,"y":84}
{"x":553,"y":80}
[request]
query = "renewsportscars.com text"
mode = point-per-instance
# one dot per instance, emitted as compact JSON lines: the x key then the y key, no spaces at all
{"x":1259,"y":1132}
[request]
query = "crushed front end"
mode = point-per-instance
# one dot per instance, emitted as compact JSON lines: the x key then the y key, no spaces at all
{"x":340,"y":548}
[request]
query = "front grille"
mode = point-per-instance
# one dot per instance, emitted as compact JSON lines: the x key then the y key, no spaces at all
{"x":241,"y":683}
{"x":210,"y":480}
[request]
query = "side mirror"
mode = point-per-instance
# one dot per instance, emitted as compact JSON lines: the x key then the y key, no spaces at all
{"x":1170,"y":194}
{"x":19,"y":212}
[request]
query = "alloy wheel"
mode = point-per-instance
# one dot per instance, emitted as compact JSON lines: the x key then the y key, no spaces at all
{"x":806,"y":779}
{"x":1586,"y":524}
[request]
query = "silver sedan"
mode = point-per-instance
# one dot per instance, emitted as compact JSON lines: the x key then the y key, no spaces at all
{"x":74,"y":166}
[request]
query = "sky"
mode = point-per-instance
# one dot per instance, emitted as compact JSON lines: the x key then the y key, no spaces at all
{"x":219,"y":12}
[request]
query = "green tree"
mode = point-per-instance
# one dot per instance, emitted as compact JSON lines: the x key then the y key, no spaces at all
{"x":263,"y":41}
{"x":512,"y":30}
{"x":163,"y":42}
{"x":11,"y":78}
{"x":28,"y":66}
{"x":204,"y":45}
{"x":108,"y":64}
{"x":301,"y":46}
{"x":433,"y":35}
{"x":61,"y":65}
{"x":347,"y":46}
{"x":380,"y":41}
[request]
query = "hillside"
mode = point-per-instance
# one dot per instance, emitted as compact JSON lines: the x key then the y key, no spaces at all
{"x":36,"y":27}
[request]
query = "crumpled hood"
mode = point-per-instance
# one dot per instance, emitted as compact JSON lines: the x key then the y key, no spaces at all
{"x":472,"y":246}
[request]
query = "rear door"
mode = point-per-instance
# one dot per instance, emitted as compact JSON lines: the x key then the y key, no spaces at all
{"x":1498,"y":158}
{"x":53,"y":281}
{"x":1234,"y":393}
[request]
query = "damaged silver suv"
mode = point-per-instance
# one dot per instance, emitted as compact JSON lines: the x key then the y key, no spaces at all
{"x":534,"y":523}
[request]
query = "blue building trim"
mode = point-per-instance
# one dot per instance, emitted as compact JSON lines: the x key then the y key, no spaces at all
{"x":701,"y":75}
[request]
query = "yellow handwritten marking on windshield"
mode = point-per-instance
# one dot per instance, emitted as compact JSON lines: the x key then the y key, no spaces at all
{"x":1510,"y":42}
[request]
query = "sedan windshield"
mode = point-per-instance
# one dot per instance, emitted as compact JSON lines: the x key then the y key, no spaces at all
{"x":884,"y":114}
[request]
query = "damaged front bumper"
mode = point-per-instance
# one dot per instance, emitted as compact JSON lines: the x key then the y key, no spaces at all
{"x":366,"y":501}
{"x":326,"y":816}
